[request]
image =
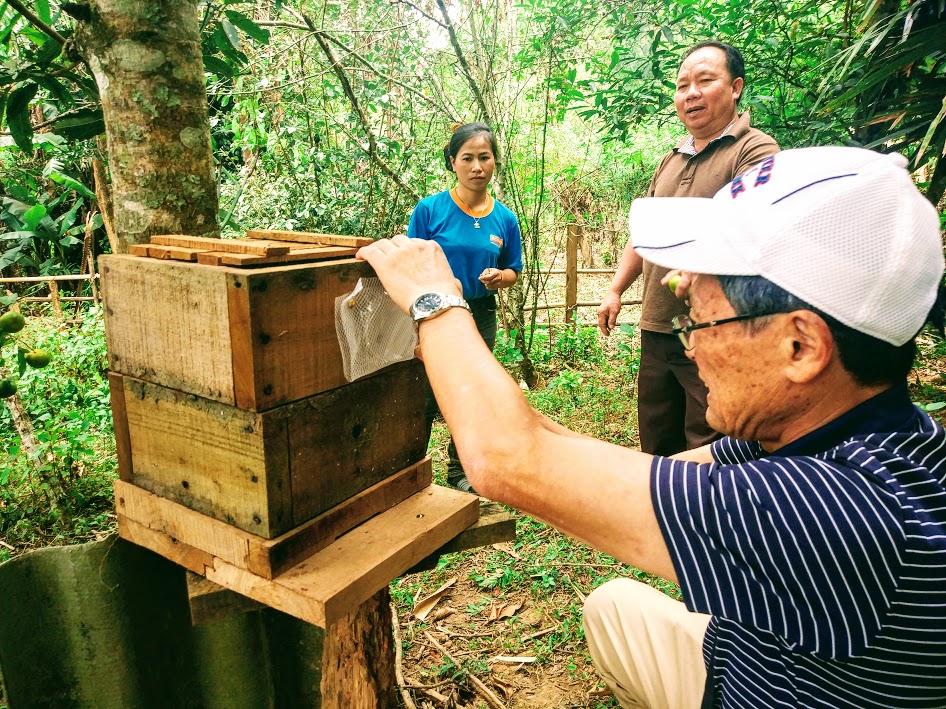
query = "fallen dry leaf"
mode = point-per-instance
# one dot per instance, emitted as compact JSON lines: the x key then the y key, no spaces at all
{"x":506,"y":611}
{"x":504,"y":687}
{"x":442,"y":613}
{"x":423,"y":607}
{"x":507,"y":548}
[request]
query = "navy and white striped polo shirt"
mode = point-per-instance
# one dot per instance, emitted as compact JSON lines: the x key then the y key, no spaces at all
{"x":823,"y":565}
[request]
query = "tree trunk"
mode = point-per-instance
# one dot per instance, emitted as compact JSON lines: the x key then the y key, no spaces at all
{"x":146,"y":60}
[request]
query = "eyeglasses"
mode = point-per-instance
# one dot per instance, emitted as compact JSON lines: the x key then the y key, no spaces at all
{"x":683,"y":326}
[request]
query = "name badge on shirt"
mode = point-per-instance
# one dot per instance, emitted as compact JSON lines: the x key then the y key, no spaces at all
{"x":498,"y":240}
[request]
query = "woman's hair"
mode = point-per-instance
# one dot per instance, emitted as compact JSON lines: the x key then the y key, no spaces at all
{"x":462,"y":134}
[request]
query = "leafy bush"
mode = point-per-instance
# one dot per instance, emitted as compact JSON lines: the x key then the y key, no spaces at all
{"x":67,"y":404}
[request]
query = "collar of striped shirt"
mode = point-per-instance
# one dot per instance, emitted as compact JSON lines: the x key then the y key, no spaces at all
{"x":891,"y":410}
{"x":689,"y":147}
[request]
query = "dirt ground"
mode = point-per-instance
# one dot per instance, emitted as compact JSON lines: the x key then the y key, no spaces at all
{"x":563,"y":676}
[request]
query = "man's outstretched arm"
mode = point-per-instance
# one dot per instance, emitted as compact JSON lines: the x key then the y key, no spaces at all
{"x":589,"y":489}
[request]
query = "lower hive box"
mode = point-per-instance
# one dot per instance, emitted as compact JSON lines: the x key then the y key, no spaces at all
{"x":269,"y":472}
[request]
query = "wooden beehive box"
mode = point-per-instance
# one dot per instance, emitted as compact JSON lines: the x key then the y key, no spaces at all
{"x":229,"y":393}
{"x":244,"y":453}
{"x":254,"y":339}
{"x":267,"y":472}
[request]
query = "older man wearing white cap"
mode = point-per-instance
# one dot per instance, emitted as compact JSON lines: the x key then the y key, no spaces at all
{"x":810,"y":542}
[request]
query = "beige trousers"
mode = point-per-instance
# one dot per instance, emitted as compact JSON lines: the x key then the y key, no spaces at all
{"x":647,"y":646}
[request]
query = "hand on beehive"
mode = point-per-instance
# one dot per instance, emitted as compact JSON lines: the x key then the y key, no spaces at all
{"x":408,"y":268}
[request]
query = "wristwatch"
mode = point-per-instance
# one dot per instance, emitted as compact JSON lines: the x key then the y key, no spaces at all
{"x":430,"y":305}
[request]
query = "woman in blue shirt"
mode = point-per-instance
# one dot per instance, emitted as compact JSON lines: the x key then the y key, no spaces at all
{"x":479,"y":236}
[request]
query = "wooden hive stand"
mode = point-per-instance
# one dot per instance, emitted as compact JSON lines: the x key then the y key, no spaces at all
{"x":244,"y":454}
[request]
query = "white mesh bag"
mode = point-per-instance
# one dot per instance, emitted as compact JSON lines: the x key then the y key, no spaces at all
{"x":372,"y":331}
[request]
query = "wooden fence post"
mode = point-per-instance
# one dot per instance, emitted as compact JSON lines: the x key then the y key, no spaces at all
{"x":54,"y":297}
{"x":571,"y":271}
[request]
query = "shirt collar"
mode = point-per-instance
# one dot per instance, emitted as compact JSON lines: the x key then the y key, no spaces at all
{"x":886,"y":412}
{"x":735,"y":130}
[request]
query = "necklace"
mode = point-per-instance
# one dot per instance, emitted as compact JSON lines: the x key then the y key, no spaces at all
{"x":476,"y":219}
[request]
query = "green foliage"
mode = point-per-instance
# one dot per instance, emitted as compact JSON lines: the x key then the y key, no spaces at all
{"x":890,"y":85}
{"x":44,"y":227}
{"x":68,"y":406}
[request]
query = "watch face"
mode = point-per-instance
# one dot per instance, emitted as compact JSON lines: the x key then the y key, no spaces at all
{"x":428,"y":303}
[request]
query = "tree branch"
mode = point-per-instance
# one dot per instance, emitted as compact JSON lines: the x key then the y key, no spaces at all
{"x":429,"y":17}
{"x":35,"y":21}
{"x":464,"y":65}
{"x":362,"y":118}
{"x":356,"y":55}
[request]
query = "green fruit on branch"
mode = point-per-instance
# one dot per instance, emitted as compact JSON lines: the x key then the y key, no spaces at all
{"x":12,"y":322}
{"x":7,"y":388}
{"x":37,"y":358}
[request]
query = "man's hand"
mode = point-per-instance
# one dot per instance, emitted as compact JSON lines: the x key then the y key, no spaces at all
{"x":678,"y":281}
{"x":608,"y":312}
{"x":492,"y":278}
{"x":408,"y":268}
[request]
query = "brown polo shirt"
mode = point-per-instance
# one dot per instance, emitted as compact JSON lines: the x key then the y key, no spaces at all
{"x":700,"y":175}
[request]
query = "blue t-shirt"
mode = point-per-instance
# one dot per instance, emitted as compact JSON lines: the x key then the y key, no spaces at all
{"x":822,"y":564}
{"x":469,"y":251}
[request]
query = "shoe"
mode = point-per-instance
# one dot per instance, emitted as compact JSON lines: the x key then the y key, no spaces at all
{"x":463,"y":485}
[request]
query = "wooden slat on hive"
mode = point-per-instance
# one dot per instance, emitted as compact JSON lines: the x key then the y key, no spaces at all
{"x":267,"y":557}
{"x":237,"y":246}
{"x":295,"y":255}
{"x":336,"y":580}
{"x":308,"y":237}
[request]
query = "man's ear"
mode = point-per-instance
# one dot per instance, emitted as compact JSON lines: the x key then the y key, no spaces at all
{"x":808,"y":346}
{"x":737,"y":85}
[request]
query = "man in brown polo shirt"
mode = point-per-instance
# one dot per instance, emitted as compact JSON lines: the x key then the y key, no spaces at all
{"x":671,"y":399}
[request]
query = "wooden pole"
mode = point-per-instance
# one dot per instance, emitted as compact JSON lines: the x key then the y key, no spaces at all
{"x":54,"y":297}
{"x":573,"y":233}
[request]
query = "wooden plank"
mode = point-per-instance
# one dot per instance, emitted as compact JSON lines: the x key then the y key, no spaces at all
{"x":335,"y":581}
{"x":496,"y":524}
{"x":267,"y":557}
{"x":211,"y":602}
{"x":295,"y":255}
{"x":183,"y":554}
{"x":212,"y":457}
{"x":277,"y":555}
{"x":209,"y":535}
{"x":116,"y":390}
{"x":173,"y":253}
{"x":210,"y":258}
{"x":138,"y":250}
{"x":309,"y":237}
{"x":167,"y":321}
{"x":292,"y":335}
{"x":241,"y":343}
{"x":238,"y":246}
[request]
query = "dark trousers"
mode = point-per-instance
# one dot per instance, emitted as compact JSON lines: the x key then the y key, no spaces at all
{"x":484,"y":314}
{"x":671,"y":398}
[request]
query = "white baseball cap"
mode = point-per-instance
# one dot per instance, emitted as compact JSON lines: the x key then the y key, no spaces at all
{"x":844,"y":229}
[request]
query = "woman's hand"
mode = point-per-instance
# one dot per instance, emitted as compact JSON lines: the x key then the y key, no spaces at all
{"x":493,"y":278}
